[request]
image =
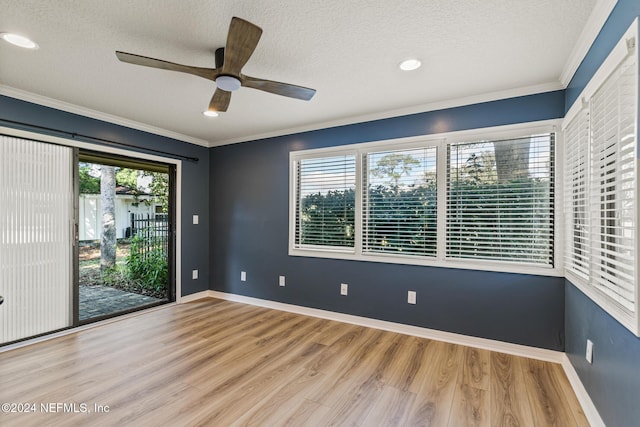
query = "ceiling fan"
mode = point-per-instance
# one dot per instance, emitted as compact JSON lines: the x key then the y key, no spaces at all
{"x":242,"y":40}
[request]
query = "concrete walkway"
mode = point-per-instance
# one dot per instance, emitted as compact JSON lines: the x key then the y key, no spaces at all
{"x":102,"y":300}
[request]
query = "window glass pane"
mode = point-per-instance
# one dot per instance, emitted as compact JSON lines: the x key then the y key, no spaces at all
{"x":325,"y":197}
{"x":500,"y":200}
{"x":400,"y":202}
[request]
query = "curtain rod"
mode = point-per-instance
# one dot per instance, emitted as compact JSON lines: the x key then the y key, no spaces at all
{"x":74,"y":135}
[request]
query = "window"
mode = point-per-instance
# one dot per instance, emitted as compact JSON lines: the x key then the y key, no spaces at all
{"x":612,"y":196}
{"x":400,"y":202}
{"x":575,"y":195}
{"x":601,"y":186}
{"x":500,"y":200}
{"x":485,"y":203}
{"x":325,"y":202}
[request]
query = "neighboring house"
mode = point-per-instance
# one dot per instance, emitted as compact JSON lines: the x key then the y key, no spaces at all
{"x":127,"y":202}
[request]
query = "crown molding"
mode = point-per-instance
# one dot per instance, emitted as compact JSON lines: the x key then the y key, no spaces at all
{"x":592,"y":28}
{"x":12,"y":92}
{"x":416,"y":109}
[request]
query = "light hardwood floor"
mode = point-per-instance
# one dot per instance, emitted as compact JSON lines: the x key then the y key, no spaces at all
{"x":219,"y":363}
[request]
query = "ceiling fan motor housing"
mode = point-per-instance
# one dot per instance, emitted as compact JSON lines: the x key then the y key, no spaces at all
{"x":228,"y":83}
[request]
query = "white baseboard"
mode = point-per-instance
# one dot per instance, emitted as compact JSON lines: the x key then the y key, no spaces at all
{"x":588,"y":407}
{"x":450,"y":337}
{"x":195,"y":297}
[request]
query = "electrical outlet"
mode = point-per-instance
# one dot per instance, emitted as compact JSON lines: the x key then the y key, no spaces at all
{"x":281,"y":281}
{"x":411,"y":297}
{"x":194,"y":274}
{"x":589,"y":354}
{"x":243,"y":276}
{"x":344,"y":289}
{"x":196,"y":219}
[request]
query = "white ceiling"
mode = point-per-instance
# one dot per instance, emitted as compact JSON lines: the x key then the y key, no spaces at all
{"x":348,"y":50}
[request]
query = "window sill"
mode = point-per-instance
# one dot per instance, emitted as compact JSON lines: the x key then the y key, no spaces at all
{"x":462,"y":264}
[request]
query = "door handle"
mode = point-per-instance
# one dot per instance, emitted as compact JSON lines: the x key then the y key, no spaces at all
{"x":1,"y":299}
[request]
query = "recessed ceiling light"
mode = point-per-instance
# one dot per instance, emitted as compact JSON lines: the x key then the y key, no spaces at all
{"x":18,"y":40}
{"x":210,"y":113}
{"x":410,"y":64}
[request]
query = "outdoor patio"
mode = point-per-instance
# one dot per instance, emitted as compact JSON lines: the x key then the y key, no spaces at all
{"x":100,"y":300}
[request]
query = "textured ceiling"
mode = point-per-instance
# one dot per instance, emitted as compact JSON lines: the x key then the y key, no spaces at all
{"x":347,"y":50}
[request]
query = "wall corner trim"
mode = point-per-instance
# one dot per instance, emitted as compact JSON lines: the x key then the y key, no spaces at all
{"x":588,"y":407}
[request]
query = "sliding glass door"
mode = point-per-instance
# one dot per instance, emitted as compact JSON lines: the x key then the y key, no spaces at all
{"x":125,"y":235}
{"x":36,"y":238}
{"x":83,"y":236}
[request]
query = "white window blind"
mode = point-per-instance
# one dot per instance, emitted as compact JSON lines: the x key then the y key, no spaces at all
{"x":500,"y":200}
{"x":36,"y":212}
{"x":399,"y":202}
{"x":325,"y":202}
{"x":612,"y":200}
{"x":486,"y":204}
{"x":576,"y":172}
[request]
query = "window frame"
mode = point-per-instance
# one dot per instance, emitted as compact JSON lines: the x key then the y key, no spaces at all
{"x":584,"y":282}
{"x":440,"y":142}
{"x":293,"y":193}
{"x":363,"y":153}
{"x":552,"y":185}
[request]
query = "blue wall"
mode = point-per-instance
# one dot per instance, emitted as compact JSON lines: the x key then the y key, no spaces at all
{"x":613,"y":380}
{"x":195,"y":175}
{"x":249,"y":211}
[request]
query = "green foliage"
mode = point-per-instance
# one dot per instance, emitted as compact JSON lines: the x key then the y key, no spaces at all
{"x":402,"y":221}
{"x":485,"y":218}
{"x":480,"y":169}
{"x":147,"y":265}
{"x":328,"y":219}
{"x":127,"y":177}
{"x":491,"y":214}
{"x":510,"y":218}
{"x":159,"y":187}
{"x":89,"y":184}
{"x":114,"y":275}
{"x":394,"y":166}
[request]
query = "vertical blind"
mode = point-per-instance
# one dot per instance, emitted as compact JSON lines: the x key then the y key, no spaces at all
{"x":399,"y":202}
{"x":577,"y":244}
{"x":500,"y":200}
{"x":325,"y":201}
{"x":612,"y":199}
{"x":35,"y":238}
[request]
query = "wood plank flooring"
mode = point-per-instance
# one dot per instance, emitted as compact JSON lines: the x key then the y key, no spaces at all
{"x":219,"y":363}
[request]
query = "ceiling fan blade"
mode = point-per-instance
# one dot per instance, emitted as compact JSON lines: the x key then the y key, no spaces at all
{"x":220,"y":100}
{"x":284,"y":89}
{"x":207,"y":73}
{"x":242,"y":40}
